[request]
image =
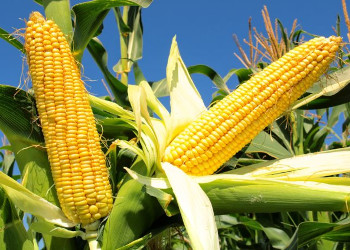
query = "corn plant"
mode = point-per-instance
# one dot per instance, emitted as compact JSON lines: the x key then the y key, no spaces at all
{"x":253,"y":171}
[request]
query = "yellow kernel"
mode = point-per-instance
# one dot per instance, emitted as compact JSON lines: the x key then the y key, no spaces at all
{"x":93,"y":209}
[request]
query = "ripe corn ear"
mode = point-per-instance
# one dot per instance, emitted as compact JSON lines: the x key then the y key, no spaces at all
{"x":228,"y":126}
{"x":77,"y":163}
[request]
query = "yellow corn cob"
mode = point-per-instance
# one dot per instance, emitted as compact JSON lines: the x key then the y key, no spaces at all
{"x":228,"y":126}
{"x":77,"y":163}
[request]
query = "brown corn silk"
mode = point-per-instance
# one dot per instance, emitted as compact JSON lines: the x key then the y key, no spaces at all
{"x":218,"y":134}
{"x":77,"y":162}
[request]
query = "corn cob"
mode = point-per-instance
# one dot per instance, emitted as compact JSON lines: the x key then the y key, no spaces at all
{"x":228,"y":126}
{"x":77,"y":163}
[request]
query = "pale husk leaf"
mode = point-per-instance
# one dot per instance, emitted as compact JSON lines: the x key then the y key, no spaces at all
{"x":32,"y":203}
{"x":195,"y":207}
{"x":185,"y":101}
{"x":327,"y":86}
{"x":301,"y":167}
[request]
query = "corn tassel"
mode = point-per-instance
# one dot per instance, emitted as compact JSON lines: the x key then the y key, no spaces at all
{"x":228,"y":126}
{"x":77,"y":163}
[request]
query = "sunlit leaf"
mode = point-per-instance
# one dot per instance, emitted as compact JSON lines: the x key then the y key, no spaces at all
{"x":195,"y":208}
{"x":137,"y":97}
{"x":302,"y":167}
{"x":33,"y":204}
{"x":12,"y":227}
{"x":161,"y":183}
{"x":185,"y":101}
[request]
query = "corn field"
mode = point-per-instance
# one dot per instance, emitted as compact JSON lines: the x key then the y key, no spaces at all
{"x":253,"y":170}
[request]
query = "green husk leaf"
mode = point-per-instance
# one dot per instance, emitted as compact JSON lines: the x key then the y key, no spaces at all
{"x":59,"y":11}
{"x":230,"y":193}
{"x":236,"y":194}
{"x":164,"y":200}
{"x":154,"y":103}
{"x":159,"y":126}
{"x":127,"y":221}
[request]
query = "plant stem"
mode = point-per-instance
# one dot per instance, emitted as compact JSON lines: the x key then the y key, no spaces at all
{"x":91,"y":235}
{"x":93,"y":244}
{"x":124,"y":48}
{"x":297,"y":118}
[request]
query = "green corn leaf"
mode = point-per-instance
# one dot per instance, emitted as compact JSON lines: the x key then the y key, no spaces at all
{"x":100,"y":55}
{"x":284,"y":35}
{"x":264,"y":142}
{"x":11,"y":40}
{"x":310,"y":232}
{"x":135,"y":41}
{"x":137,"y":244}
{"x":212,"y":74}
{"x":89,"y":17}
{"x":277,"y":237}
{"x":242,"y":74}
{"x":139,"y":77}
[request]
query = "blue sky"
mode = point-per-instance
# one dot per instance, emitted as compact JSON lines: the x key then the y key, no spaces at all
{"x":203,"y":28}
